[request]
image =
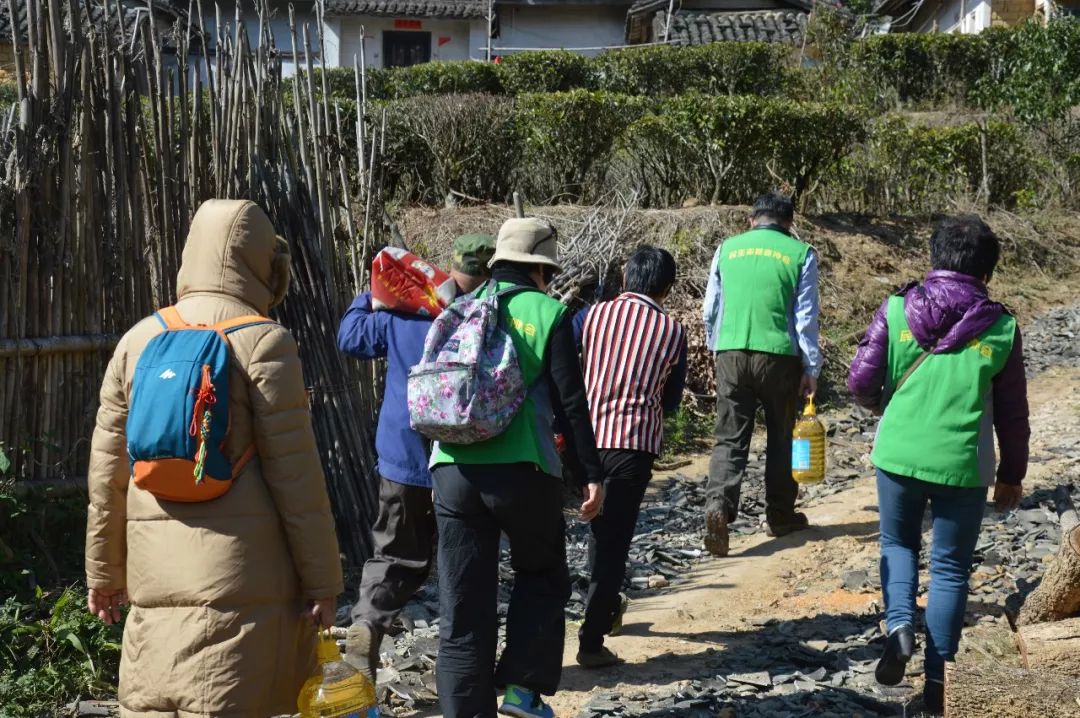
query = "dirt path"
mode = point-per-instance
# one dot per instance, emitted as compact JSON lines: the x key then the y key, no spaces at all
{"x":715,"y":615}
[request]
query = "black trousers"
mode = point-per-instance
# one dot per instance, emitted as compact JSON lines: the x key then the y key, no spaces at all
{"x":626,"y":476}
{"x":743,"y":380}
{"x":474,"y":504}
{"x":404,"y":538}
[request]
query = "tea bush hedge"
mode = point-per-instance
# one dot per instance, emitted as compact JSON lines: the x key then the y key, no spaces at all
{"x":731,"y":149}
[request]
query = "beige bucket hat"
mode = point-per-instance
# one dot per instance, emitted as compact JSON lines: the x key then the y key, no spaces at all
{"x":528,"y":241}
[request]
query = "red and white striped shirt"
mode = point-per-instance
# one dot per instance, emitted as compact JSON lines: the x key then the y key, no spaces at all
{"x":630,"y":347}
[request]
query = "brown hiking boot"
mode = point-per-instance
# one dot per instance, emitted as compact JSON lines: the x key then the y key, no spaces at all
{"x":716,"y":533}
{"x":797,"y":522}
{"x":362,"y":642}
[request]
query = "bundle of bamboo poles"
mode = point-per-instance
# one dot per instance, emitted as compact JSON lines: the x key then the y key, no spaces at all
{"x":120,"y":132}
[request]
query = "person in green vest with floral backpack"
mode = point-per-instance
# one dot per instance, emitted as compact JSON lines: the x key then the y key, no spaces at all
{"x":508,"y":483}
{"x":945,"y":365}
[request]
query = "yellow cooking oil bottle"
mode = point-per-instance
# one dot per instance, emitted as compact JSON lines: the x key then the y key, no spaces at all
{"x":336,"y":690}
{"x":808,"y":447}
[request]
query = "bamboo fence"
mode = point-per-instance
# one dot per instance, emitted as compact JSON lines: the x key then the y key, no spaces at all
{"x":120,"y":132}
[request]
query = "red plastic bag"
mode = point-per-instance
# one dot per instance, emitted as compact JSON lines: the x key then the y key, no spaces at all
{"x":403,"y":282}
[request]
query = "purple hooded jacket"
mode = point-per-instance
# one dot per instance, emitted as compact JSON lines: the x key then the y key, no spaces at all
{"x":948,"y":310}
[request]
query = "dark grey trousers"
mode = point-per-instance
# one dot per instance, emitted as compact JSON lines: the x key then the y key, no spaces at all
{"x":404,"y":538}
{"x":745,"y":379}
{"x":474,"y":504}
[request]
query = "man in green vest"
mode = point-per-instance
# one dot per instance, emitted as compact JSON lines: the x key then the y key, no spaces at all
{"x":509,"y":485}
{"x":761,"y":320}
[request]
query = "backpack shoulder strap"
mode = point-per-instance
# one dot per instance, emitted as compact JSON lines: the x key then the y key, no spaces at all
{"x":232,"y":325}
{"x":170,"y":318}
{"x":911,"y":369}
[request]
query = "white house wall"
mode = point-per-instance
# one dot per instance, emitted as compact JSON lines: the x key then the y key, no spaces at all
{"x":343,"y":38}
{"x":963,"y":16}
{"x":279,"y":27}
{"x":565,"y":27}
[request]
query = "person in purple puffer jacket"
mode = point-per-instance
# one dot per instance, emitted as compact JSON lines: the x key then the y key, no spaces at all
{"x":944,"y":366}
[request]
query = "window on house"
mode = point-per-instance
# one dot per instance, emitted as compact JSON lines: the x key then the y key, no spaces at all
{"x":402,"y":48}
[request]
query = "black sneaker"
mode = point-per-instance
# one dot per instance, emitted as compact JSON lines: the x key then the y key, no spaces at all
{"x":899,"y":647}
{"x":362,"y":643}
{"x":604,"y":658}
{"x":716,"y":533}
{"x":934,"y":697}
{"x":797,"y":522}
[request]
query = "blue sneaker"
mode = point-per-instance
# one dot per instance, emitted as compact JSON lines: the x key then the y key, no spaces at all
{"x":523,"y":703}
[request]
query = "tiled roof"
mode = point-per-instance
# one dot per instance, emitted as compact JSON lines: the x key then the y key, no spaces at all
{"x":454,"y":9}
{"x":134,"y":11}
{"x":644,"y":6}
{"x":699,"y":28}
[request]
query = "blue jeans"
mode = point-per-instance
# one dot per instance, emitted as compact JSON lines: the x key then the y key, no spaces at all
{"x":957,"y":516}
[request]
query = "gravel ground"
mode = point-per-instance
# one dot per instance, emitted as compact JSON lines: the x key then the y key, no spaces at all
{"x":821,"y":665}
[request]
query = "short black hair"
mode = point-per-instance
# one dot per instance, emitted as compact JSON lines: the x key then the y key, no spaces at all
{"x":774,"y":205}
{"x":965,"y":244}
{"x":649,"y":271}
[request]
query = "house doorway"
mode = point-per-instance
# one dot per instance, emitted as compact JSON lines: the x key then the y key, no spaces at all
{"x":401,"y":49}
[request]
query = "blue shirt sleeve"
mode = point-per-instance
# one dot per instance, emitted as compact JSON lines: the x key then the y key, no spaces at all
{"x":579,"y":325}
{"x":364,"y":332}
{"x":805,"y":320}
{"x":714,"y":301}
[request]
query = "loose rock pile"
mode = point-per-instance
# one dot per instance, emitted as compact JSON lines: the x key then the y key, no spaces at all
{"x":1051,"y":340}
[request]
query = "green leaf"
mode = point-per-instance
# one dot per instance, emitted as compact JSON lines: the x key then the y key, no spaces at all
{"x":5,"y":463}
{"x":75,"y":641}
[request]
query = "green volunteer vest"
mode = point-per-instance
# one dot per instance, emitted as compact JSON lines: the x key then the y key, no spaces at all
{"x":759,"y":274}
{"x":930,"y":429}
{"x":530,"y":438}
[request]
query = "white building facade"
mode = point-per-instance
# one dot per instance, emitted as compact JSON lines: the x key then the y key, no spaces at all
{"x":407,"y":32}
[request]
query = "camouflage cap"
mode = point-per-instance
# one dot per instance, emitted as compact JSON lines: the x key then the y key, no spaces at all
{"x":472,"y":252}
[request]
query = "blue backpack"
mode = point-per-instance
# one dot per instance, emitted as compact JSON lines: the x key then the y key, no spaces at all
{"x":179,"y":413}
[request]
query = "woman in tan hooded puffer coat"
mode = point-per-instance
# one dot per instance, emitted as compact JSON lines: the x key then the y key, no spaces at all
{"x":223,"y":593}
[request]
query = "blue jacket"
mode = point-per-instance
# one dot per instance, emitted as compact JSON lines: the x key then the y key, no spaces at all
{"x":399,"y":338}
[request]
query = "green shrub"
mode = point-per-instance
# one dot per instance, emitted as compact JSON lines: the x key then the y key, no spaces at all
{"x":543,"y":71}
{"x":568,"y":139}
{"x":908,"y":69}
{"x":8,"y":95}
{"x":429,"y":78}
{"x":733,"y":68}
{"x":731,"y":149}
{"x":54,"y":652}
{"x":685,"y":431}
{"x":1035,"y":72}
{"x":443,"y":78}
{"x":909,"y":168}
{"x":440,"y":144}
{"x":738,"y":68}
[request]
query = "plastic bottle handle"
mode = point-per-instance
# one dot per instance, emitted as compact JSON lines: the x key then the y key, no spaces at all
{"x":810,"y":409}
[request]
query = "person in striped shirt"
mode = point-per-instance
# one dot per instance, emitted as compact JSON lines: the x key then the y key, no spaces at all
{"x":635,"y":369}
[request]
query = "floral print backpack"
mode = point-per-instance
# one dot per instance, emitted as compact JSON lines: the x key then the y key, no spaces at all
{"x":468,"y":385}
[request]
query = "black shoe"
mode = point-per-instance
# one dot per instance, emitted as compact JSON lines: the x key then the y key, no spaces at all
{"x":362,"y":643}
{"x":899,"y":647}
{"x":934,"y":697}
{"x":797,"y":522}
{"x":604,"y":658}
{"x":716,"y":533}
